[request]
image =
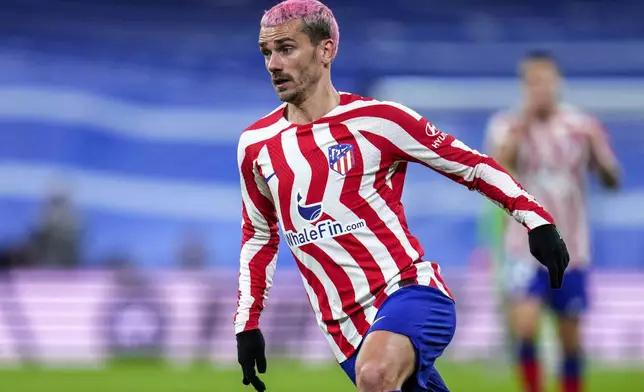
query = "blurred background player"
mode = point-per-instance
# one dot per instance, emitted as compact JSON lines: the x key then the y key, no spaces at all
{"x":549,"y":145}
{"x":56,"y":240}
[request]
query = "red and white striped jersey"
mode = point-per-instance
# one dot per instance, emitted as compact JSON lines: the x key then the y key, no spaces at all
{"x":335,"y":186}
{"x":552,"y":162}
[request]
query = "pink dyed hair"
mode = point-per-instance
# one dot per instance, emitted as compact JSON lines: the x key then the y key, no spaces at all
{"x":314,"y":14}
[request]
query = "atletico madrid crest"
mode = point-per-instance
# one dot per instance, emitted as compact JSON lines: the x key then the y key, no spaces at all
{"x":341,"y":158}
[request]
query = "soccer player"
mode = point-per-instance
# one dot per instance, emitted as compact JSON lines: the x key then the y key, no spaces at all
{"x":330,"y":167}
{"x":549,"y":146}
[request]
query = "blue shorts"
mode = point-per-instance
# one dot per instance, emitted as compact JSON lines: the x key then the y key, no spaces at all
{"x":428,"y":318}
{"x":569,"y":301}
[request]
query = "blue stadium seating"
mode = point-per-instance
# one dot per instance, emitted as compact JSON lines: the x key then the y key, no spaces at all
{"x":187,"y":55}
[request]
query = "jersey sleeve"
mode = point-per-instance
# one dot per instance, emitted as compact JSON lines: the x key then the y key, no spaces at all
{"x":411,"y":137}
{"x":601,"y":152}
{"x":260,"y":240}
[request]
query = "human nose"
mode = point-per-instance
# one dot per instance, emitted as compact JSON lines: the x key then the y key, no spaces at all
{"x":274,"y":64}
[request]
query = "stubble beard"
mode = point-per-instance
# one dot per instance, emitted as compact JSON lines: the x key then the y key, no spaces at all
{"x":302,"y":90}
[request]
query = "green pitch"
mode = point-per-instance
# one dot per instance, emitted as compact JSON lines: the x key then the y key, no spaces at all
{"x":282,"y":376}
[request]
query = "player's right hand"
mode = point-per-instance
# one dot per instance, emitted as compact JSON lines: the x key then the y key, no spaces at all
{"x":251,"y":352}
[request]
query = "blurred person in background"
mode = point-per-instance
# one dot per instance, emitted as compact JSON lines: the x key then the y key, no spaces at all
{"x":56,"y":240}
{"x":549,"y":145}
{"x":330,"y":168}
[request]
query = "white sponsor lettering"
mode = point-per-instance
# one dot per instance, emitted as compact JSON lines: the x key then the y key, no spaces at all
{"x":322,"y":230}
{"x":439,"y":140}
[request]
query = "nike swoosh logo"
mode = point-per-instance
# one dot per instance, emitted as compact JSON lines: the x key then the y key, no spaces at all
{"x":267,"y":179}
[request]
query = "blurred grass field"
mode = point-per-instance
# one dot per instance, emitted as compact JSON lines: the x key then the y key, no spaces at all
{"x":283,"y":376}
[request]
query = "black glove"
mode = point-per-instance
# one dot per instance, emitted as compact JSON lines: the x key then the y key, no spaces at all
{"x":547,"y":246}
{"x":250,"y":351}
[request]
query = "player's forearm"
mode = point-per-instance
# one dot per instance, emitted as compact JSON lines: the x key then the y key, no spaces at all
{"x":258,"y":260}
{"x":258,"y":256}
{"x":251,"y":298}
{"x":250,"y":322}
{"x":247,"y":314}
{"x":497,"y":184}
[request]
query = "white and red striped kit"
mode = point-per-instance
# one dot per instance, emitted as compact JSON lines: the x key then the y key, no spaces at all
{"x":552,"y":162}
{"x":335,"y":187}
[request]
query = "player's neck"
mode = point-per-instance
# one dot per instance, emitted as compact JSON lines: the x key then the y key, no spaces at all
{"x":316,"y":105}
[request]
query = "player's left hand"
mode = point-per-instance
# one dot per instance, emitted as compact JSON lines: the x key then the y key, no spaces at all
{"x":251,"y":352}
{"x":549,"y":248}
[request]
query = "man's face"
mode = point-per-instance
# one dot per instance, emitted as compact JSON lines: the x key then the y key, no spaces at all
{"x":541,"y":84}
{"x":291,"y":59}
